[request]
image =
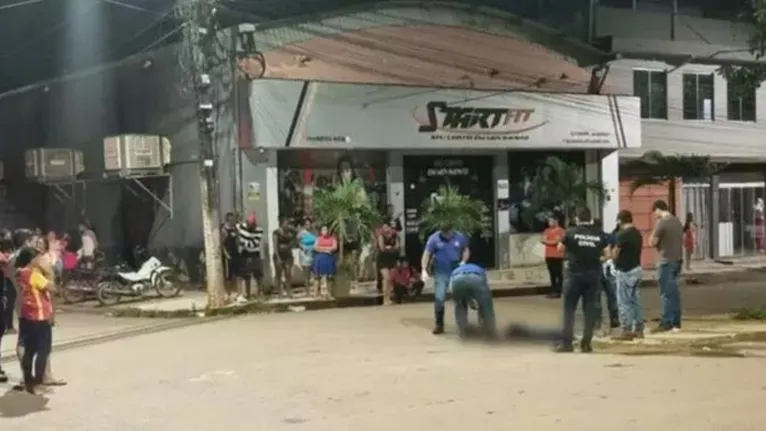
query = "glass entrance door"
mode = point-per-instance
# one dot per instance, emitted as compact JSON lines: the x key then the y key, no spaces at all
{"x":471,"y":175}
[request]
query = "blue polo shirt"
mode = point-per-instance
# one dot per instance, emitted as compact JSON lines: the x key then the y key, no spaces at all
{"x":469,"y":268}
{"x":446,"y":253}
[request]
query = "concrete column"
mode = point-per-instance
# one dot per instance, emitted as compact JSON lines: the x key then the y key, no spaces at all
{"x":593,"y":173}
{"x":260,"y":191}
{"x":714,"y":206}
{"x":502,"y":216}
{"x":395,"y":190}
{"x":610,"y":177}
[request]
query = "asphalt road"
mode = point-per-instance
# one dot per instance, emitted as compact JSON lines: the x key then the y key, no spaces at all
{"x":381,"y":369}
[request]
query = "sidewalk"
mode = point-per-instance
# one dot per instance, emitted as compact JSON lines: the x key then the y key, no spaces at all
{"x":365,"y":294}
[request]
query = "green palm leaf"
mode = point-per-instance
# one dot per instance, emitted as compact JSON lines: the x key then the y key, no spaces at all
{"x":561,"y":186}
{"x":346,"y":211}
{"x":449,"y":206}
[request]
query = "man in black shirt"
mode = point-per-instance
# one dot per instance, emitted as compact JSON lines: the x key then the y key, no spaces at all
{"x":628,"y":275}
{"x":586,"y":247}
{"x":230,"y":253}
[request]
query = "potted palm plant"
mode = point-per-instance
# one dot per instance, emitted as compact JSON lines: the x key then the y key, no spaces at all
{"x":562,"y":189}
{"x":349,"y":215}
{"x":448,"y":206}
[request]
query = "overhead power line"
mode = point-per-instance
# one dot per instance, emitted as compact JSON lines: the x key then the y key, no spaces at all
{"x":20,"y":4}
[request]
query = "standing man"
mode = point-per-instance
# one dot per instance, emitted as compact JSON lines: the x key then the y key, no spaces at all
{"x":284,"y":241}
{"x":668,"y":238}
{"x":626,"y":258}
{"x":230,"y":252}
{"x":586,"y":247}
{"x":448,"y":249}
{"x":249,"y":240}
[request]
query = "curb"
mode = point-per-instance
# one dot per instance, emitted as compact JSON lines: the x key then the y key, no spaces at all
{"x":122,"y":334}
{"x":375,"y":300}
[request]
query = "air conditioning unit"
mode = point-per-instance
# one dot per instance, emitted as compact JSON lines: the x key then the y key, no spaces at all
{"x":136,"y":154}
{"x":53,"y":163}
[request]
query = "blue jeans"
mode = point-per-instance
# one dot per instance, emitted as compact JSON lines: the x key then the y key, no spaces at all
{"x":608,"y":289}
{"x":629,"y":299}
{"x":466,"y":287}
{"x":670,"y":294}
{"x":441,"y":285}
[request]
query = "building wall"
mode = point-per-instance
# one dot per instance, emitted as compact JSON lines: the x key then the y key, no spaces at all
{"x":719,"y":137}
{"x":640,"y":204}
{"x":143,"y":95}
{"x":649,"y":31}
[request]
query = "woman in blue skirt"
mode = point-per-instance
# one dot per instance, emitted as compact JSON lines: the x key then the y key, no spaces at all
{"x":323,"y":267}
{"x":307,"y":239}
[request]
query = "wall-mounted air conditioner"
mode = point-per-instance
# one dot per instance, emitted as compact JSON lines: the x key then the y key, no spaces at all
{"x":136,"y":154}
{"x":53,"y":163}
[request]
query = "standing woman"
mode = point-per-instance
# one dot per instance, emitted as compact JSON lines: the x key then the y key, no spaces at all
{"x":45,"y":263}
{"x":306,"y":241}
{"x":388,"y":251}
{"x":690,"y":240}
{"x":554,"y":259}
{"x":323,"y":267}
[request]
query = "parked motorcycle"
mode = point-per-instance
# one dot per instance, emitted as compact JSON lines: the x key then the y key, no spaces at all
{"x":121,"y":282}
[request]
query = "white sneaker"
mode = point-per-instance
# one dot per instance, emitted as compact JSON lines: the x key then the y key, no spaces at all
{"x":241,"y":299}
{"x":675,"y":330}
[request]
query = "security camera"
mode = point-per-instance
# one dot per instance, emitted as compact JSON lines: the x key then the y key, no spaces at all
{"x":204,"y":81}
{"x":205,"y":109}
{"x":246,"y":28}
{"x":207,"y":124}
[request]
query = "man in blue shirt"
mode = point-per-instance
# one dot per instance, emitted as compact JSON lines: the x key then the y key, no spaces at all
{"x":446,"y":249}
{"x":469,"y":283}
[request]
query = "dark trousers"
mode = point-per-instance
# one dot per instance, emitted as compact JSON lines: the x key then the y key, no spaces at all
{"x":36,"y":337}
{"x":556,"y":273}
{"x":577,"y":286}
{"x":10,"y":304}
{"x":609,"y":289}
{"x":401,"y":291}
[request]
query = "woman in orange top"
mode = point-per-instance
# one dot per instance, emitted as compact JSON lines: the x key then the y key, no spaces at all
{"x":35,"y":318}
{"x":554,"y":259}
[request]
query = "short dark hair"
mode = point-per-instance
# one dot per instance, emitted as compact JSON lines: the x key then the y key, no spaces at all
{"x":446,"y":226}
{"x":25,"y":257}
{"x":625,"y":216}
{"x":583,"y":215}
{"x":20,"y":237}
{"x":660,"y":205}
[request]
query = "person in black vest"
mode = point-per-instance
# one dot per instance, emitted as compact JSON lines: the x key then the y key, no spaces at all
{"x":249,"y":240}
{"x":586,"y":247}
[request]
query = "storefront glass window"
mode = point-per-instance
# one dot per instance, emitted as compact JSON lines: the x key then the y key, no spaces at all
{"x":525,"y":169}
{"x":301,"y":172}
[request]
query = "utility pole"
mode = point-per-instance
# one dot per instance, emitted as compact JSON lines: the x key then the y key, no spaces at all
{"x":199,"y":51}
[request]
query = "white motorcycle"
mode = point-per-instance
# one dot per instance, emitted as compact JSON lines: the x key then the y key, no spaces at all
{"x":152,"y":275}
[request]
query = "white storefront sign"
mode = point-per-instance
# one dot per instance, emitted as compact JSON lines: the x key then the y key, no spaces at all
{"x":395,"y":117}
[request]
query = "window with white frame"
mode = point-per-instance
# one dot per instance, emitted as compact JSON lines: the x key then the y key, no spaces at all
{"x":652,"y":87}
{"x":698,"y":96}
{"x":740,"y":103}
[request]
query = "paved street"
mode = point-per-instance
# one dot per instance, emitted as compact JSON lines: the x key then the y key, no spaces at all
{"x":380,"y":369}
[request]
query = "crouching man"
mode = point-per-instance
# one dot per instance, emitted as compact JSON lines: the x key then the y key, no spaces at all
{"x":469,"y":285}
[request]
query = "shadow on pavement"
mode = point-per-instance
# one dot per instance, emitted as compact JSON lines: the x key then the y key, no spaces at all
{"x":16,"y":404}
